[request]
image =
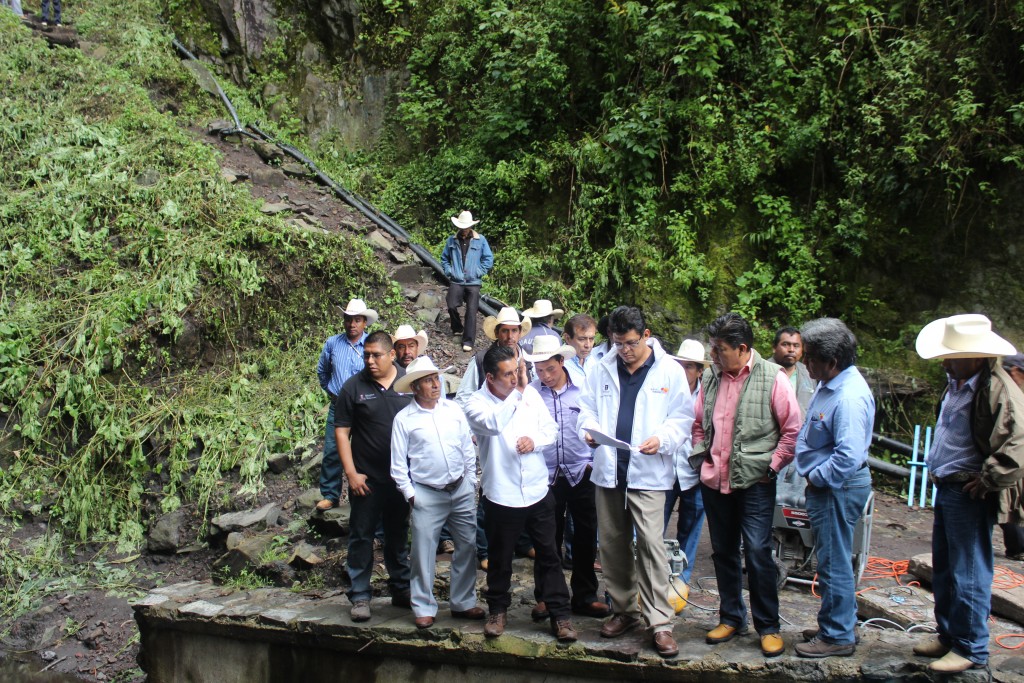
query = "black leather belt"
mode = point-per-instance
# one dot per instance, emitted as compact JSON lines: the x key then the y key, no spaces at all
{"x":447,"y":488}
{"x":955,"y":478}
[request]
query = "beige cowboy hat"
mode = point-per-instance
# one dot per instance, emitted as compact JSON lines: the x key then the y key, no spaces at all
{"x":464,"y":220}
{"x":541,"y":309}
{"x":692,"y":351}
{"x":962,"y":336}
{"x":406,"y":332}
{"x":418,"y":369}
{"x":506,"y":316}
{"x":547,"y":346}
{"x":358,"y":307}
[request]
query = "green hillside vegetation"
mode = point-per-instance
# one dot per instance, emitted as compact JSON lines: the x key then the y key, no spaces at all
{"x":156,"y":330}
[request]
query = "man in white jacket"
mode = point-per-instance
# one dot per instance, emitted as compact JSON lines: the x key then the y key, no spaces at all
{"x":640,"y":396}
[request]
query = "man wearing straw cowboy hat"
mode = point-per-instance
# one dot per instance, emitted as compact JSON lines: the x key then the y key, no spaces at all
{"x":541,"y":314}
{"x":433,"y":463}
{"x":975,"y":462}
{"x":409,"y":345}
{"x":513,"y":426}
{"x":342,"y":357}
{"x":465,"y":259}
{"x":692,"y":358}
{"x":504,"y":329}
{"x":569,"y":462}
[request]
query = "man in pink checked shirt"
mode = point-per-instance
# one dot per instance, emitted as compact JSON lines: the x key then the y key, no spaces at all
{"x":747,"y":420}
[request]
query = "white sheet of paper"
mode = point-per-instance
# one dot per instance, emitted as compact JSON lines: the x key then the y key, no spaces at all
{"x":603,"y":439}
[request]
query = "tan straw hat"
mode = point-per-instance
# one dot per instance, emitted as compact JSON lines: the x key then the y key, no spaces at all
{"x":506,"y":316}
{"x":419,"y":368}
{"x":547,"y":346}
{"x":541,"y":309}
{"x":962,"y":336}
{"x":407,"y":332}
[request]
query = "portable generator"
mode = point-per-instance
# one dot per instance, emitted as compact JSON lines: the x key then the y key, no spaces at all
{"x":793,"y":548}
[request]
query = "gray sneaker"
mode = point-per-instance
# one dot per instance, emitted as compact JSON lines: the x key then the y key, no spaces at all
{"x":360,"y":610}
{"x":818,"y":648}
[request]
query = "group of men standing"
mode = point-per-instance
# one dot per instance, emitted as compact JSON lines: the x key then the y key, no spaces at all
{"x":610,"y":441}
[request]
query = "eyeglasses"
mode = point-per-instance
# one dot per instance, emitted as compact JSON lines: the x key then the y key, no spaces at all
{"x":628,"y":344}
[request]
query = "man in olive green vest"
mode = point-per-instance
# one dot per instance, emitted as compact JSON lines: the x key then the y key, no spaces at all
{"x":747,"y":420}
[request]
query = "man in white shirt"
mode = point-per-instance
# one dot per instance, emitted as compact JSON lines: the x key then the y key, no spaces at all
{"x":513,"y":426}
{"x":433,"y":463}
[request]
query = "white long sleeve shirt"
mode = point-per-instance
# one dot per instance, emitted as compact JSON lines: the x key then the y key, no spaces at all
{"x":511,"y":479}
{"x":431,"y":446}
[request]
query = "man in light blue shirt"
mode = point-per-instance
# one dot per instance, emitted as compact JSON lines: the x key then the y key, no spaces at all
{"x":832,"y":453}
{"x":341,"y":357}
{"x":580,"y":333}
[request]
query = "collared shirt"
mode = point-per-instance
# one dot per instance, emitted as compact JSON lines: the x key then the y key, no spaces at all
{"x":508,"y":478}
{"x":578,"y":370}
{"x":715,"y":474}
{"x":369,"y":411}
{"x":474,"y":378}
{"x":833,"y":443}
{"x":431,"y":446}
{"x":339,"y":360}
{"x":629,"y":389}
{"x":569,"y":455}
{"x":953,"y":449}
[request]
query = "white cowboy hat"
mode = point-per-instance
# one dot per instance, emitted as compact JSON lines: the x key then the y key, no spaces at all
{"x":546,"y":346}
{"x":418,"y":369}
{"x":962,"y":336}
{"x":541,"y":309}
{"x":506,"y":316}
{"x":358,"y":307}
{"x":692,"y":351}
{"x":464,"y":220}
{"x":406,"y":332}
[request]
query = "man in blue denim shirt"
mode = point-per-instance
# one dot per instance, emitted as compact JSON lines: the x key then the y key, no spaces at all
{"x":832,"y":453}
{"x":465,"y":259}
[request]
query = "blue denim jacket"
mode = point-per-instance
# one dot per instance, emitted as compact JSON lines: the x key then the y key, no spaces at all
{"x":479,"y":260}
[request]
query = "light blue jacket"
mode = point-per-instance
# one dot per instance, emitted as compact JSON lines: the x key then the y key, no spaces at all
{"x":479,"y":260}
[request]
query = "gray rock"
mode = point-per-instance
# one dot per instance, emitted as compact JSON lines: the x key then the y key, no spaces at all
{"x":308,"y":499}
{"x":165,"y":533}
{"x":237,"y":521}
{"x":408,"y":275}
{"x":428,"y":315}
{"x":428,"y":300}
{"x":279,"y":462}
{"x":378,"y":239}
{"x":312,"y":463}
{"x":267,"y":151}
{"x":398,"y":256}
{"x":295,"y":170}
{"x":275,"y":208}
{"x":411,"y":293}
{"x":305,"y":556}
{"x":202,"y":75}
{"x":245,"y":554}
{"x":271,"y":177}
{"x":215,"y":127}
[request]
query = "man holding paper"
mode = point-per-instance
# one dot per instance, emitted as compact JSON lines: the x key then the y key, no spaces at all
{"x":639,"y":396}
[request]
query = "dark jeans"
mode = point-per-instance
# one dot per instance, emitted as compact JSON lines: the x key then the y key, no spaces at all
{"x":579,"y":501}
{"x":330,"y":466}
{"x":56,"y":11}
{"x":747,"y":514}
{"x":963,"y":568}
{"x":1013,"y":539}
{"x":384,"y":503}
{"x":688,"y":524}
{"x":457,"y":295}
{"x":504,"y":525}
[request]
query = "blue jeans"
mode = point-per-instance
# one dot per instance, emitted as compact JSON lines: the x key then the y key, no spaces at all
{"x":963,"y":567}
{"x":745,"y":513}
{"x":689,"y":523}
{"x":56,"y":10}
{"x":834,"y":514}
{"x":384,"y":503}
{"x":330,"y":466}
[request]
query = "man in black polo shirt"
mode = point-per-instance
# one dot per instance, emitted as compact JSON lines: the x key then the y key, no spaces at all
{"x":365,"y":410}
